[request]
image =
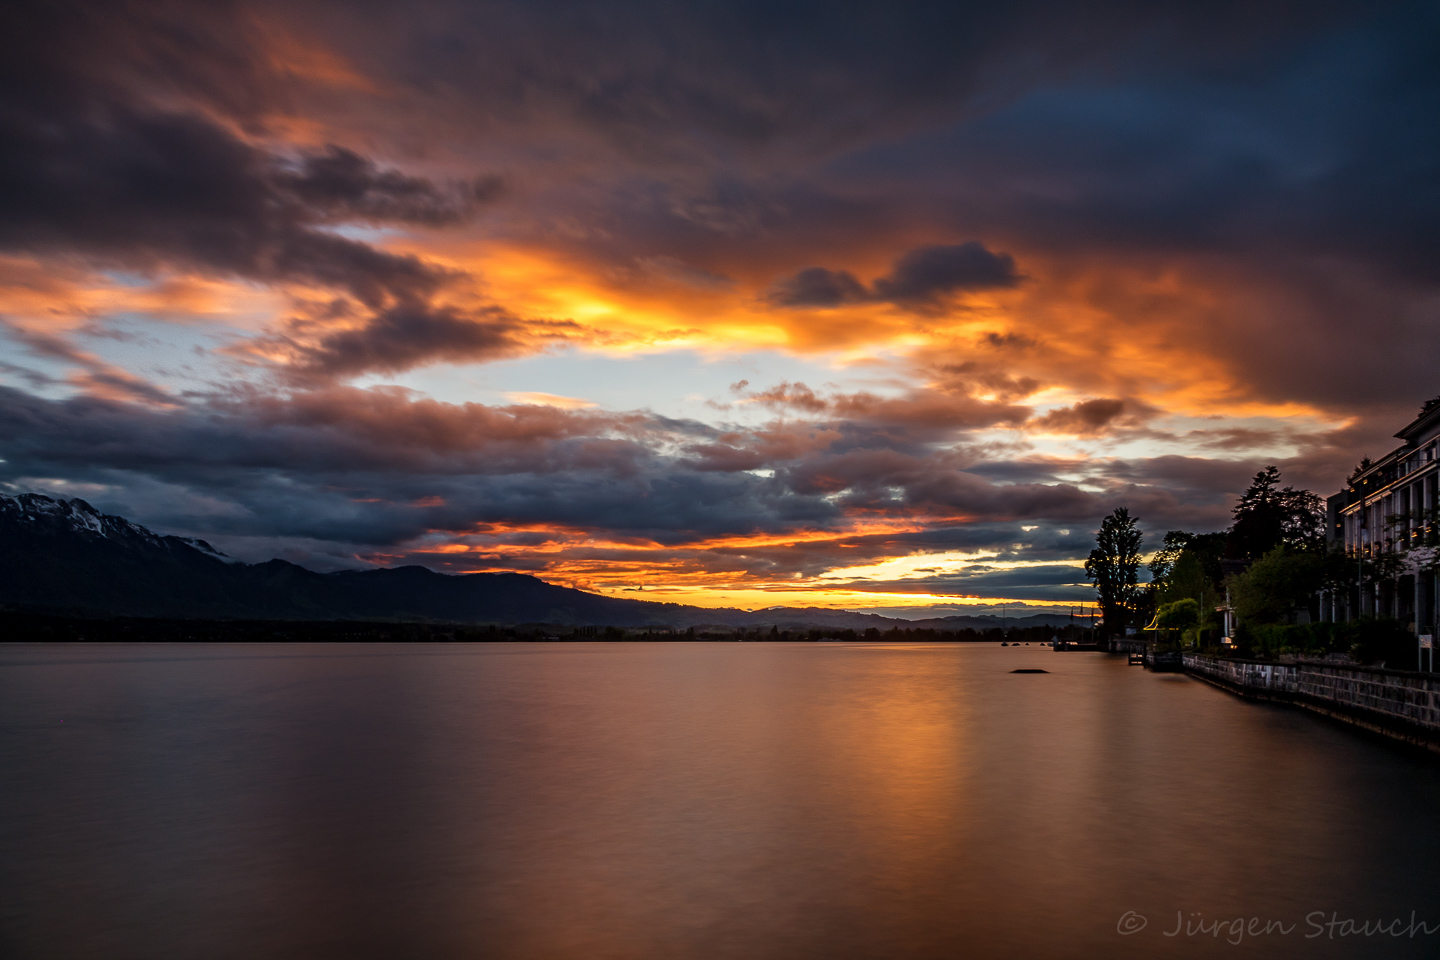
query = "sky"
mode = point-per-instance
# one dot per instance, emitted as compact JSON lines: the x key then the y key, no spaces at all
{"x":875,"y":306}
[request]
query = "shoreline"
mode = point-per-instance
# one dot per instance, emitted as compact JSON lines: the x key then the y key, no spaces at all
{"x":1397,"y":704}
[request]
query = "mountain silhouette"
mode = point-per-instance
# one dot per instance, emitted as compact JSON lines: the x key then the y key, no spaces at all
{"x":64,"y":556}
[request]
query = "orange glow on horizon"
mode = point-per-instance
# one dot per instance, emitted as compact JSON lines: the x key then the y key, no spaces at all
{"x":705,"y":573}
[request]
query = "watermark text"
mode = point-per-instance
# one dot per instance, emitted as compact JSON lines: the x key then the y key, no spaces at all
{"x":1316,"y":924}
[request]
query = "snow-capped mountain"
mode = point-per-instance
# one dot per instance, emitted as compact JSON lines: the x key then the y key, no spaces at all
{"x":64,"y":555}
{"x":37,"y":513}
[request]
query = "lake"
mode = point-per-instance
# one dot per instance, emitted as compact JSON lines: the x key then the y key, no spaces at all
{"x":664,"y":801}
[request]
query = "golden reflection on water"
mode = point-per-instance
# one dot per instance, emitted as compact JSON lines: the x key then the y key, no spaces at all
{"x":535,"y":801}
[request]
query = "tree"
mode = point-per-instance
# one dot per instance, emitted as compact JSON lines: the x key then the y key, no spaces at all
{"x":1197,"y":575}
{"x":1112,"y":566}
{"x":1196,"y":572}
{"x":1276,"y":585}
{"x":1164,"y":560}
{"x":1178,"y":615}
{"x":1172,"y":620}
{"x":1267,"y":517}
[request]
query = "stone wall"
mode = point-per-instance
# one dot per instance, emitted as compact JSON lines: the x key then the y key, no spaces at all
{"x":1396,"y":703}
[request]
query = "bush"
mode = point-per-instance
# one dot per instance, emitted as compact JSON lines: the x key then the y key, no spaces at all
{"x":1266,"y":641}
{"x":1276,"y":585}
{"x":1244,"y":641}
{"x":1178,"y":615}
{"x":1176,"y":624}
{"x":1382,"y":641}
{"x":1269,"y":640}
{"x":1207,"y":635}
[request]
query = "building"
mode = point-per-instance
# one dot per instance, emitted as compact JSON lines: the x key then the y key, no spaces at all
{"x":1386,"y":521}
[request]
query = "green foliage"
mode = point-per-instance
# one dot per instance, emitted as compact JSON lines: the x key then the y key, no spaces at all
{"x":1195,"y":576}
{"x":1163,"y":562}
{"x":1267,"y":641}
{"x":1179,"y":615}
{"x":1113,"y":567}
{"x":1367,"y":640}
{"x":1187,"y":580}
{"x":1275,"y":585}
{"x":1196,"y":573}
{"x":1203,"y":636}
{"x":1337,"y":570}
{"x":1175,"y":624}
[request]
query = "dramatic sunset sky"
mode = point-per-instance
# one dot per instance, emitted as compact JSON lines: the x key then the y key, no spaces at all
{"x":864,"y":305}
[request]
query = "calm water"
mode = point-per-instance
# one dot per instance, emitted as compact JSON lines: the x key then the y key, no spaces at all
{"x":683,"y":801}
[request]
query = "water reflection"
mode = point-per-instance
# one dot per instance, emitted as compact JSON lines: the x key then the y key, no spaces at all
{"x":679,"y":800}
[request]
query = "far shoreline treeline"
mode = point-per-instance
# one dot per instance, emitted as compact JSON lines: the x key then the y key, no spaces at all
{"x":46,"y":628}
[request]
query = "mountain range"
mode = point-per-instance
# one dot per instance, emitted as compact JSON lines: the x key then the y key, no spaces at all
{"x":64,"y":556}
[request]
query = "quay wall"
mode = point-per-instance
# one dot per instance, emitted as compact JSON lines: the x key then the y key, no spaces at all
{"x":1395,"y":703}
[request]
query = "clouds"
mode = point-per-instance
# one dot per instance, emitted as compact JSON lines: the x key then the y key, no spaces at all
{"x":385,"y":473}
{"x":817,"y":287}
{"x":130,"y":186}
{"x":925,"y":275}
{"x":383,"y":445}
{"x":411,"y":333}
{"x":125,"y":176}
{"x":341,"y":186}
{"x":1089,"y":418}
{"x":1025,"y":263}
{"x":149,"y":190}
{"x":918,"y":279}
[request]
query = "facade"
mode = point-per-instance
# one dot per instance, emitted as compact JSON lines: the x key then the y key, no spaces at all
{"x":1385,"y":519}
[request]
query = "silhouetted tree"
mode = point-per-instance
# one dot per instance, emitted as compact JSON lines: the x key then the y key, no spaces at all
{"x":1267,"y":517}
{"x":1112,"y":566}
{"x":1164,"y":560}
{"x":1361,"y":467}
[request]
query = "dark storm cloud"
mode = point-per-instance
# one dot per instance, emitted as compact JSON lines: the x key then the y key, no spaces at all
{"x":919,"y":278}
{"x":1087,"y":416}
{"x":804,"y":77}
{"x":1041,"y":582}
{"x":817,"y":287}
{"x":1175,"y":124}
{"x":343,"y":186}
{"x":142,"y":188}
{"x":347,"y":465}
{"x":1215,"y":124}
{"x":1324,"y":144}
{"x":923,"y":412}
{"x":380,"y":467}
{"x":924,"y":275}
{"x":1032,"y":469}
{"x":1101,"y":415}
{"x":1283,"y":160}
{"x":97,"y":164}
{"x":410,"y":334}
{"x":1290,"y":150}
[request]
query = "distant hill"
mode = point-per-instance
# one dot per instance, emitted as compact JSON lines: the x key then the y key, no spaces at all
{"x":64,"y":556}
{"x":990,"y":622}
